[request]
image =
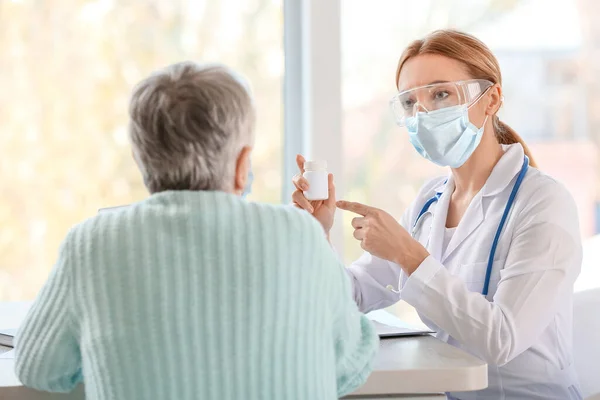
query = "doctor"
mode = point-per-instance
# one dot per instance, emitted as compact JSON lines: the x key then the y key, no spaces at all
{"x":487,"y":255}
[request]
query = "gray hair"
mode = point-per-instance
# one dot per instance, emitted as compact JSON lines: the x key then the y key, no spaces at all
{"x":188,"y":124}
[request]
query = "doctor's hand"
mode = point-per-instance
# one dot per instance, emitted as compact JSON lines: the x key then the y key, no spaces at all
{"x":322,"y":210}
{"x":382,"y":236}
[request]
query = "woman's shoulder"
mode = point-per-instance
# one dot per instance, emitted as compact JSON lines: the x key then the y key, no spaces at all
{"x":544,"y":199}
{"x":229,"y":208}
{"x":290,"y":231}
{"x":99,"y":224}
{"x":541,"y":189}
{"x":285,"y":216}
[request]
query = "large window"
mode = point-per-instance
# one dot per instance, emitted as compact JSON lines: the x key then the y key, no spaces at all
{"x":67,"y":70}
{"x":549,"y":54}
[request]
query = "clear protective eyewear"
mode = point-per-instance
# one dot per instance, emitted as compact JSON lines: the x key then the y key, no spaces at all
{"x":436,"y":96}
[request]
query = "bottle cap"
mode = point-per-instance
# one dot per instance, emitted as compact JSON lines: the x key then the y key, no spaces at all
{"x":315,"y":165}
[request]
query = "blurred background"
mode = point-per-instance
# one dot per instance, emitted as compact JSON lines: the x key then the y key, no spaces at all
{"x":68,"y":66}
{"x":67,"y":69}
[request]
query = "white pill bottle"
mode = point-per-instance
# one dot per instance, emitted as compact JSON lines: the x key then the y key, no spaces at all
{"x":315,"y":172}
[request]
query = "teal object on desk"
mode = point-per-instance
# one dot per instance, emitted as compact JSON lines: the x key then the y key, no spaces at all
{"x":197,"y":295}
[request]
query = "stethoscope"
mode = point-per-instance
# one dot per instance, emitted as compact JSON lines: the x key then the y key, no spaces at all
{"x":425,"y":210}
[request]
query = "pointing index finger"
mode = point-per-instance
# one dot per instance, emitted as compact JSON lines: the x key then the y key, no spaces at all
{"x":357,"y":208}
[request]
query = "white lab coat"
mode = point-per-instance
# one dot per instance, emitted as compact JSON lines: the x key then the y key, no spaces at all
{"x":523,"y":329}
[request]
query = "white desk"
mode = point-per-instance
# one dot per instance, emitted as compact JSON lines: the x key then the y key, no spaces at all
{"x":408,"y":368}
{"x":423,"y":364}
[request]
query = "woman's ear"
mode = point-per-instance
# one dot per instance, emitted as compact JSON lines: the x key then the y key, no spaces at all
{"x":496,"y":98}
{"x":242,"y":168}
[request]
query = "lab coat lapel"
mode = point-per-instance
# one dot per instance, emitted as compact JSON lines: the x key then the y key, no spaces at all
{"x":503,"y":173}
{"x":470,"y":221}
{"x":438,"y":223}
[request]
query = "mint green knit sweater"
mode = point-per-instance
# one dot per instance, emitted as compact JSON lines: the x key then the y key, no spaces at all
{"x":197,"y":295}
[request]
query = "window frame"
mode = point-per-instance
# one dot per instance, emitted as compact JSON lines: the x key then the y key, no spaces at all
{"x":312,"y":93}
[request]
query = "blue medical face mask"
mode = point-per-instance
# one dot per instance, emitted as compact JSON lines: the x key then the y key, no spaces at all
{"x":445,"y":137}
{"x":248,"y":187}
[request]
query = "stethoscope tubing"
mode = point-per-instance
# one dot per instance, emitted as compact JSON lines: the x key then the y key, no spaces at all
{"x":511,"y":199}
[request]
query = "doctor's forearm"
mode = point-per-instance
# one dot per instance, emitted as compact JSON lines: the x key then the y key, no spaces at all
{"x":498,"y":331}
{"x":466,"y":316}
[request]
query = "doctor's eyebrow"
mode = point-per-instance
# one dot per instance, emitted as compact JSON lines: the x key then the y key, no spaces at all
{"x":438,"y":81}
{"x":427,"y":84}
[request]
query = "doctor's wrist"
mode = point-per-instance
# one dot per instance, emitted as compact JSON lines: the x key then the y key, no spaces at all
{"x":413,"y":258}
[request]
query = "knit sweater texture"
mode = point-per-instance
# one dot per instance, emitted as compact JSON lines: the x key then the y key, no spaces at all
{"x":196,"y":295}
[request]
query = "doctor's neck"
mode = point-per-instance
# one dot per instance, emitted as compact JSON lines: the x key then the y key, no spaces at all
{"x":472,"y":175}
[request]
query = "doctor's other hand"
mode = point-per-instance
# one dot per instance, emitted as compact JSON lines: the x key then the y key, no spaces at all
{"x":322,"y":210}
{"x":382,"y":236}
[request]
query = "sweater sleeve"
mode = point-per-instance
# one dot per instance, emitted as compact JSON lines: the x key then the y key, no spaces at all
{"x":47,"y":351}
{"x":356,"y":342}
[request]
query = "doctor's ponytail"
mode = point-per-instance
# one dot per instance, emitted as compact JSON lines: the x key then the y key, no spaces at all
{"x":479,"y":61}
{"x":506,"y":135}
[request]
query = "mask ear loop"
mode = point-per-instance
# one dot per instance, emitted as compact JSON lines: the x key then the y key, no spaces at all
{"x":479,"y":98}
{"x":484,"y":121}
{"x":498,"y":110}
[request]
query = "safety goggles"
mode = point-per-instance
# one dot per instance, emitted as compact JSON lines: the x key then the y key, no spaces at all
{"x":436,"y":96}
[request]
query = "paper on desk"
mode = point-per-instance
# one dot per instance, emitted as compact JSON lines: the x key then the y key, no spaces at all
{"x":8,"y":355}
{"x":388,"y":326}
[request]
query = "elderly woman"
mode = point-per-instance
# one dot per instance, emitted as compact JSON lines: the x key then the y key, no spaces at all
{"x":195,"y":293}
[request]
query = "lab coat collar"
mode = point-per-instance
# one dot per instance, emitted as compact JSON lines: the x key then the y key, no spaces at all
{"x":505,"y":170}
{"x":441,"y":188}
{"x":503,"y":173}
